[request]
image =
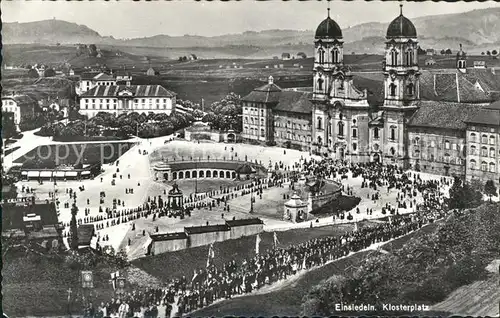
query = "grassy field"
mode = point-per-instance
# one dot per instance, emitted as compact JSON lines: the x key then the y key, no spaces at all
{"x":184,"y":262}
{"x":287,"y":299}
{"x":74,"y":153}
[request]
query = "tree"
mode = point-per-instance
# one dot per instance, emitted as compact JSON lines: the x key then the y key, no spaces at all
{"x":448,"y":52}
{"x":92,"y":50}
{"x":482,"y":53}
{"x":488,"y":53}
{"x":464,"y":196}
{"x":490,"y":189}
{"x":49,"y":73}
{"x":8,"y":125}
{"x":73,"y":228}
{"x":32,"y":73}
{"x":494,"y":52}
{"x":443,"y":52}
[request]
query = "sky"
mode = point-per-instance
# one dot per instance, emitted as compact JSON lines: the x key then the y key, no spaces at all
{"x":127,"y":19}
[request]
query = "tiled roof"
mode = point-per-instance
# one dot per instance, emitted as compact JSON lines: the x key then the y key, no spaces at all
{"x":444,"y":115}
{"x":169,"y":236}
{"x":268,"y":93}
{"x":136,"y":90}
{"x":489,"y":115}
{"x":21,"y":100}
{"x":297,"y":102}
{"x":88,"y":75}
{"x":104,"y":77}
{"x":440,"y":86}
{"x":489,"y":82}
{"x":12,"y":214}
{"x":243,"y":222}
{"x":206,"y":229}
{"x":85,"y":233}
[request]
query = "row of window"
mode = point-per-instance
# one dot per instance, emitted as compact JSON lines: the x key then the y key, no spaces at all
{"x":432,"y":144}
{"x":340,"y":130}
{"x":410,"y":89}
{"x":254,"y":131}
{"x":292,"y":136}
{"x":254,"y":111}
{"x":408,"y":58}
{"x":484,"y":166}
{"x":484,"y":151}
{"x":334,"y":56}
{"x":292,"y":126}
{"x":136,"y":101}
{"x":484,"y":139}
{"x":446,"y":158}
{"x":163,"y":106}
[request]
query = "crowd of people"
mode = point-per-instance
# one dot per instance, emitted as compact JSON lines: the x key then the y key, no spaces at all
{"x":184,"y":295}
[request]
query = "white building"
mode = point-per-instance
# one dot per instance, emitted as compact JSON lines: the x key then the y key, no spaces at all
{"x":19,"y":105}
{"x":119,"y":99}
{"x":89,"y":81}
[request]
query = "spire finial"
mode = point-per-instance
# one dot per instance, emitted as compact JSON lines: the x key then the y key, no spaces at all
{"x":460,"y":46}
{"x":401,"y":9}
{"x":328,"y":9}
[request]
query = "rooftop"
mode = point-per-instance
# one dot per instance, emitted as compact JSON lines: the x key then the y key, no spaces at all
{"x":135,"y":90}
{"x":445,"y":115}
{"x":168,"y":236}
{"x":243,"y":222}
{"x":206,"y":229}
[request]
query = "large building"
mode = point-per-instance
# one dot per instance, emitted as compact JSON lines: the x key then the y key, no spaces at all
{"x":120,"y":99}
{"x":429,"y":120}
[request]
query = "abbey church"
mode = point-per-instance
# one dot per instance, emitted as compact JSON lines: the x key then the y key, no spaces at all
{"x":441,"y":122}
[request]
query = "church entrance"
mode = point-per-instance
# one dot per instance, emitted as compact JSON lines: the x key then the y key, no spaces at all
{"x":231,"y":138}
{"x":447,"y":171}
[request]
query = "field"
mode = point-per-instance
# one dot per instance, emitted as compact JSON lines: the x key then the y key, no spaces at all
{"x":77,"y":153}
{"x":286,"y":299}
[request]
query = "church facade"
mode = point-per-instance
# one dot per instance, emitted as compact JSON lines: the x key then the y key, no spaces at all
{"x":423,"y":122}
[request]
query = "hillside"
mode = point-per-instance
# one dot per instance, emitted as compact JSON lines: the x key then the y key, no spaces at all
{"x":476,"y":30}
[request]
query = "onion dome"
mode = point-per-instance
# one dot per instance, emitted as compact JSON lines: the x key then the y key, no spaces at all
{"x":401,"y":27}
{"x":328,"y":29}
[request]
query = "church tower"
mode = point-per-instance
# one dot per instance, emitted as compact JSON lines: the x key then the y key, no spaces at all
{"x":461,"y":60}
{"x":328,"y":56}
{"x":401,"y":71}
{"x":401,"y":90}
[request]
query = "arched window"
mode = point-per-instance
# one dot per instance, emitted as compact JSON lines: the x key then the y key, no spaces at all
{"x":375,"y":133}
{"x":492,"y":167}
{"x":354,"y":147}
{"x":473,"y":137}
{"x":410,"y":89}
{"x":320,"y":84}
{"x":473,"y":150}
{"x":492,"y":152}
{"x":320,"y":141}
{"x":335,"y":56}
{"x":446,"y":158}
{"x":409,"y":58}
{"x":446,"y":145}
{"x":393,"y":133}
{"x":262,"y":121}
{"x":484,"y":166}
{"x":416,"y":141}
{"x":394,"y":58}
{"x":202,"y":174}
{"x":472,"y":164}
{"x":393,"y":151}
{"x":392,"y":88}
{"x":262,"y":133}
{"x":416,"y":154}
{"x":484,"y":139}
{"x":484,"y":151}
{"x":321,"y":55}
{"x":341,"y":128}
{"x":320,"y":123}
{"x":492,"y":140}
{"x":354,"y":133}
